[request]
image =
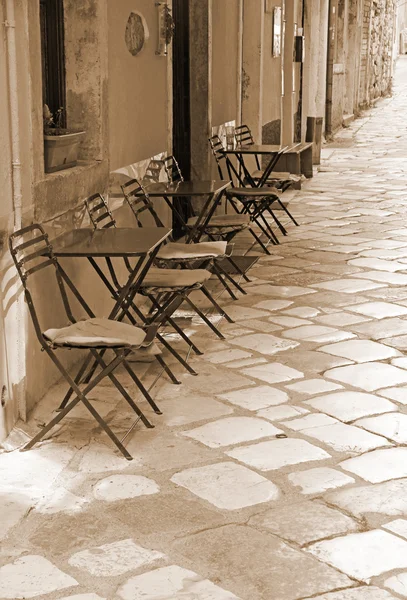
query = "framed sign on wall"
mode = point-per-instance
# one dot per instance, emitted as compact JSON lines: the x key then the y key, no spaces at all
{"x":277,"y":31}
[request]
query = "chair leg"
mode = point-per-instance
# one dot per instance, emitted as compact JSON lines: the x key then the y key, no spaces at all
{"x":141,"y":387}
{"x":219,"y":271}
{"x":166,"y":368}
{"x":81,"y":397}
{"x":220,"y":310}
{"x":204,"y":318}
{"x":170,"y":349}
{"x":166,"y":318}
{"x":77,"y":380}
{"x":285,"y":209}
{"x":258,"y":240}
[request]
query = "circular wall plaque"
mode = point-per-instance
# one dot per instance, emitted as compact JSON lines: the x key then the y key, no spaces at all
{"x":136,"y":34}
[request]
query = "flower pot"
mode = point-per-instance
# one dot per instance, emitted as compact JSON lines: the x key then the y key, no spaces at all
{"x":61,"y":151}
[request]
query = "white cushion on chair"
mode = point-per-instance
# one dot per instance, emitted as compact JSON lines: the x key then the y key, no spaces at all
{"x":178,"y":251}
{"x":97,"y":332}
{"x":224,"y":221}
{"x":175,"y":278}
{"x":253,"y":192}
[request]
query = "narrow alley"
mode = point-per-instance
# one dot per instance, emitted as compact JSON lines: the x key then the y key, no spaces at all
{"x":280,"y":472}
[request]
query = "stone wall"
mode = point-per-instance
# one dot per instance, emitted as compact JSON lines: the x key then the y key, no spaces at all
{"x":381,"y":47}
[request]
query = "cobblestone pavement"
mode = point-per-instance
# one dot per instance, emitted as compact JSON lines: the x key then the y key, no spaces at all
{"x":280,"y":472}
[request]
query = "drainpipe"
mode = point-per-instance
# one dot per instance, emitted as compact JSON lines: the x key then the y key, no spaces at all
{"x":11,"y":49}
{"x":10,"y":25}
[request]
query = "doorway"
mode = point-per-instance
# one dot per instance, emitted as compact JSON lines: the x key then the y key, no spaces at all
{"x":181,"y":129}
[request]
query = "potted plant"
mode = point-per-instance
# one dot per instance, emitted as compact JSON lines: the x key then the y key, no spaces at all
{"x":60,"y":145}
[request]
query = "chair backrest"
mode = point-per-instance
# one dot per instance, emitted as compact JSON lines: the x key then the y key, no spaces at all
{"x":99,"y":212}
{"x":32,"y":252}
{"x":153,"y":172}
{"x":172,"y":169}
{"x":243,"y":136}
{"x":139,"y":201}
{"x":218,"y":152}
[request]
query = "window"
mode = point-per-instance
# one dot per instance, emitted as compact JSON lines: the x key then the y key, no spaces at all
{"x":53,"y":54}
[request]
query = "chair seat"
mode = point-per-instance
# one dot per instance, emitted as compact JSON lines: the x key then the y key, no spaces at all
{"x":224,"y":222}
{"x":175,"y":279}
{"x":283,"y":176}
{"x":252,"y":193}
{"x":178,"y":251}
{"x":97,"y":333}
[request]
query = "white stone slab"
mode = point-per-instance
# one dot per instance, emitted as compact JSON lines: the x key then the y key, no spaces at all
{"x":313,"y":386}
{"x":227,"y":486}
{"x":348,"y":286}
{"x":243,"y":313}
{"x":357,"y":593}
{"x":379,"y":310}
{"x":264,"y":343}
{"x":398,"y":526}
{"x":240,"y":364}
{"x":361,"y":351}
{"x":172,"y":582}
{"x":111,"y":560}
{"x":399,"y":394}
{"x":380,"y":465}
{"x":320,"y":479}
{"x":289,"y":321}
{"x":123,"y":487}
{"x":346,"y":438}
{"x":392,"y":426}
{"x":348,"y":406}
{"x":309,"y":332}
{"x":398,"y":584}
{"x":304,"y":522}
{"x":310,"y":421}
{"x":383,"y":277}
{"x":274,"y":454}
{"x":273,"y":373}
{"x":389,"y":498}
{"x":363,"y":555}
{"x":368,"y":376}
{"x":281,"y":291}
{"x":304,"y":312}
{"x":31,"y":576}
{"x":256,"y":398}
{"x":272,"y":305}
{"x":376,"y":263}
{"x":227,"y":356}
{"x":279,"y":413}
{"x":232,"y":430}
{"x":340,"y":319}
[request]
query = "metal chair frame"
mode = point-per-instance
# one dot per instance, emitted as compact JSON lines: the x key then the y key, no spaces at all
{"x":254,"y":205}
{"x":174,"y":174}
{"x":165,"y":304}
{"x":43,"y":257}
{"x":102,"y":217}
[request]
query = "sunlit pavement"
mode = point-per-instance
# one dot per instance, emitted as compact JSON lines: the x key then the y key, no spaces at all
{"x":280,"y":472}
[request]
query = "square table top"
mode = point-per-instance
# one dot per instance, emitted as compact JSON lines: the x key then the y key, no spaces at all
{"x":259,"y":149}
{"x":119,"y":242}
{"x":186,"y":188}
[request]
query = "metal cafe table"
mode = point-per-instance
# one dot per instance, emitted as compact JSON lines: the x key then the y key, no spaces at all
{"x":214,"y":191}
{"x":295,"y":158}
{"x":140,"y":244}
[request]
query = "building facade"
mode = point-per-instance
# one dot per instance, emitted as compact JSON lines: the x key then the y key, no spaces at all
{"x":286,"y":68}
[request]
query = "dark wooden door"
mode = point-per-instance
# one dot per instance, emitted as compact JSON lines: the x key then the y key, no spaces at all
{"x":181,"y":132}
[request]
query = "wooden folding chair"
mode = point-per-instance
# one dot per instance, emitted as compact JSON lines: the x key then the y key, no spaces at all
{"x":32,"y":252}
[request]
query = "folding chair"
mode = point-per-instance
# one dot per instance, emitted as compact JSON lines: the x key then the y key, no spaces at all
{"x":172,"y":283}
{"x":102,"y":218}
{"x":31,"y":253}
{"x":255,"y":201}
{"x":281,"y":181}
{"x":224,"y":227}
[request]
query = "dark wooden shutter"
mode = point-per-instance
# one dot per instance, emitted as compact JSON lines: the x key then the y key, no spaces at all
{"x":53,"y":54}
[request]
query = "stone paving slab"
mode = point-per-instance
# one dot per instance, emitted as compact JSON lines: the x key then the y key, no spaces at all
{"x":279,"y":472}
